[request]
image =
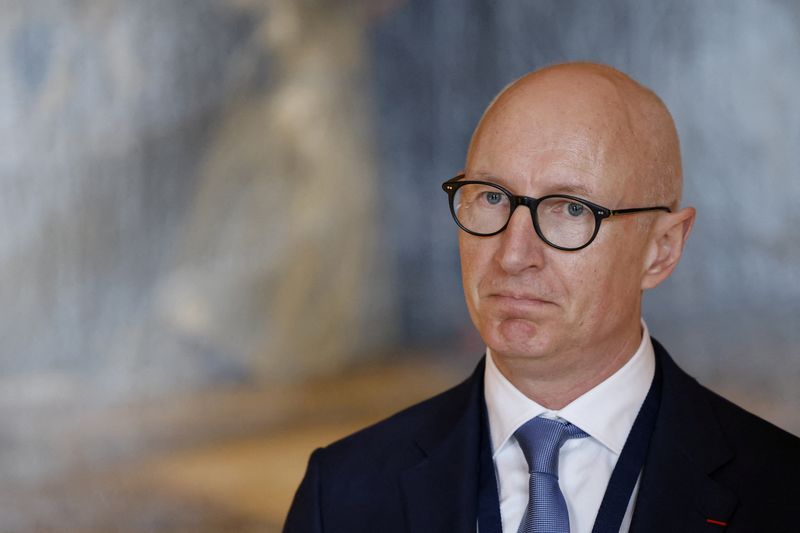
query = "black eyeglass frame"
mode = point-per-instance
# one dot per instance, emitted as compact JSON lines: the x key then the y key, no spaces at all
{"x":453,"y":184}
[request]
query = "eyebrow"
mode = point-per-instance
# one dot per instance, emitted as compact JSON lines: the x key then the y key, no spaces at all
{"x":575,"y":189}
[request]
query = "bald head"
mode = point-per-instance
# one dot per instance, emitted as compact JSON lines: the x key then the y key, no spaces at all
{"x":612,"y":119}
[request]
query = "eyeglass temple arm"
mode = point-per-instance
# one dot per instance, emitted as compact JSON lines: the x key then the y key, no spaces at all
{"x":639,"y":210}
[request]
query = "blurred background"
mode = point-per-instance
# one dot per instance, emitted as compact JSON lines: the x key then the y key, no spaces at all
{"x":223,"y":241}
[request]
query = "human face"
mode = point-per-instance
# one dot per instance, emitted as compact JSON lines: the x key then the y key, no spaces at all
{"x":527,"y":299}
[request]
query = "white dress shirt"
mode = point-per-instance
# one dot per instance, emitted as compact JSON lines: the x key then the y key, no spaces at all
{"x":606,"y":413}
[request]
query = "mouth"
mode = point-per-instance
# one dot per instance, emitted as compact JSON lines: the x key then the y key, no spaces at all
{"x":516,"y":298}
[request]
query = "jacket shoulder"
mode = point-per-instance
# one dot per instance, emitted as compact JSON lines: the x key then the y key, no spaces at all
{"x":746,"y":430}
{"x":743,"y":430}
{"x":353,"y":483}
{"x":386,"y":440}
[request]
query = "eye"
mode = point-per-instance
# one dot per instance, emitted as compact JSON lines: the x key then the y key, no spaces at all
{"x":576,"y":209}
{"x":493,"y":198}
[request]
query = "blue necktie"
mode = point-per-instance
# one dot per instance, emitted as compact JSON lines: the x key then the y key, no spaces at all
{"x":540,"y":440}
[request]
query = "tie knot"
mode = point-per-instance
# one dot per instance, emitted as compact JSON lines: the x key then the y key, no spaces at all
{"x":541,"y":439}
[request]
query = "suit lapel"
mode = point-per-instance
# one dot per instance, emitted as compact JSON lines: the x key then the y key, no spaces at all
{"x":440,"y":491}
{"x":676,"y":491}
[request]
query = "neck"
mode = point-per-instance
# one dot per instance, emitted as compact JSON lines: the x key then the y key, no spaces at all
{"x":554,"y":382}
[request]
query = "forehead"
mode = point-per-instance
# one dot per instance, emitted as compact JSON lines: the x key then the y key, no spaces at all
{"x":553,"y":138}
{"x":539,"y":173}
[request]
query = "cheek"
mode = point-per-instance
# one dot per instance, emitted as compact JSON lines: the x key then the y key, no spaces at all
{"x":588,"y":276}
{"x":603,"y":291}
{"x":582,"y":284}
{"x":476,"y":258}
{"x":473,"y":256}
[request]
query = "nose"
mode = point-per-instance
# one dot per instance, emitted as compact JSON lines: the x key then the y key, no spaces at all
{"x":520,"y":247}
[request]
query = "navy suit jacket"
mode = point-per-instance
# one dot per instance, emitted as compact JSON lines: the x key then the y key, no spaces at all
{"x":417,"y":472}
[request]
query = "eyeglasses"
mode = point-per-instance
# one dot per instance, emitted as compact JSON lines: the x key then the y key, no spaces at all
{"x":564,"y":222}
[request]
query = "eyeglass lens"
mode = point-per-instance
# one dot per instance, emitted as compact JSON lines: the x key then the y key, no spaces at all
{"x":484,"y":210}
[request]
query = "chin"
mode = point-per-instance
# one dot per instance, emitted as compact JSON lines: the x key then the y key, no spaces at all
{"x":516,"y":337}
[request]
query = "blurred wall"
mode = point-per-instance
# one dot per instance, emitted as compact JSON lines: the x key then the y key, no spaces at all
{"x":209,"y":193}
{"x":188,"y":198}
{"x":187,"y":191}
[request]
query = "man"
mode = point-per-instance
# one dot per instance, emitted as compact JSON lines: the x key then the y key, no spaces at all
{"x":575,"y":420}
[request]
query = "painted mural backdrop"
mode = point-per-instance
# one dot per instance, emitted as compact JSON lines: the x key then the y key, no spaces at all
{"x":211,"y":193}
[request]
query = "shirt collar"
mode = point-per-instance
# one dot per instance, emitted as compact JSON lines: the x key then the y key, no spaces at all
{"x":606,"y":412}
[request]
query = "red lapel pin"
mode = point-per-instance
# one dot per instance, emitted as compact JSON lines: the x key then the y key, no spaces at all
{"x":716,"y":522}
